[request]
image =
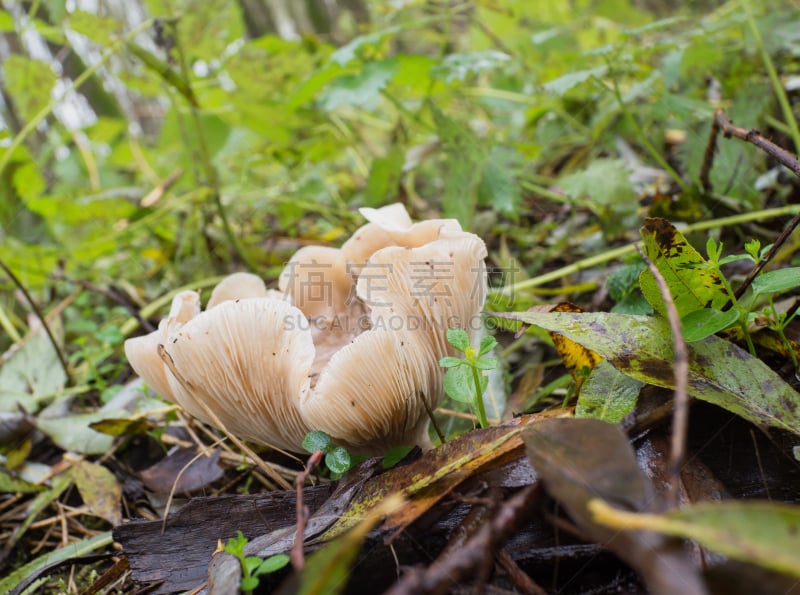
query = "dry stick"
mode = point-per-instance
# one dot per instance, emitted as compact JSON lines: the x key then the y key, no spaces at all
{"x":203,"y":453}
{"x":464,"y":562}
{"x":296,"y":555}
{"x":680,"y":416}
{"x":61,"y":358}
{"x":722,"y":123}
{"x":271,"y":473}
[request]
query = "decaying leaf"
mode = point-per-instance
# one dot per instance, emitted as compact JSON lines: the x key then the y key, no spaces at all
{"x":183,"y":470}
{"x":719,"y":371}
{"x":692,"y":287}
{"x":578,"y":360}
{"x":764,"y":533}
{"x":581,"y":460}
{"x":99,"y":489}
{"x":607,"y":394}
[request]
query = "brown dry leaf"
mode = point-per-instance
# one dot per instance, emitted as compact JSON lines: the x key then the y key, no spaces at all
{"x":100,"y":490}
{"x":584,"y":459}
{"x":180,"y":470}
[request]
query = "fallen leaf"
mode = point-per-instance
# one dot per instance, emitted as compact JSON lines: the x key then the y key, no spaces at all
{"x":581,"y":460}
{"x":719,"y":371}
{"x":184,"y":470}
{"x":99,"y":489}
{"x":763,"y":533}
{"x":607,"y":394}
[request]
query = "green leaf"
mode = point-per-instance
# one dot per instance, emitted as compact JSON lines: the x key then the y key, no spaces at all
{"x":96,"y":28}
{"x":719,"y":371}
{"x":384,"y":178}
{"x":463,"y":168}
{"x":10,"y":484}
{"x":74,"y":433}
{"x":32,"y":375}
{"x":451,"y":362}
{"x":338,"y":460}
{"x":562,"y":84}
{"x":763,"y":533}
{"x":777,"y":281}
{"x":317,"y":440}
{"x":706,"y":322}
{"x":29,"y":82}
{"x":272,"y":564}
{"x":458,"y":338}
{"x":235,"y":545}
{"x":607,"y":394}
{"x":361,"y":90}
{"x":486,"y":363}
{"x":487,"y":344}
{"x":251,"y":563}
{"x":457,"y":67}
{"x":459,"y":385}
{"x":692,"y":285}
{"x":249,"y":583}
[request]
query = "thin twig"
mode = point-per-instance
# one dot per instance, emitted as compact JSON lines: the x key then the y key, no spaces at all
{"x":708,"y":157}
{"x":722,"y":123}
{"x":296,"y":555}
{"x":61,"y":357}
{"x":680,"y":417}
{"x":440,"y":576}
{"x":754,"y":137}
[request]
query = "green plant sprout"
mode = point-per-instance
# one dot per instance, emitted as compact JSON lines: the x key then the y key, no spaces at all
{"x":337,"y":459}
{"x":465,"y":380}
{"x":253,"y":566}
{"x":708,"y":321}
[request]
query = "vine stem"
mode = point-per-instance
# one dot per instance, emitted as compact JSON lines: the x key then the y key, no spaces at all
{"x":34,"y":122}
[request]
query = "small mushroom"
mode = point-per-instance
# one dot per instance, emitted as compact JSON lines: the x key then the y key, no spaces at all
{"x":349,"y":345}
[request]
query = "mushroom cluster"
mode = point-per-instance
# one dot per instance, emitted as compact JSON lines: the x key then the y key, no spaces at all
{"x":349,"y":343}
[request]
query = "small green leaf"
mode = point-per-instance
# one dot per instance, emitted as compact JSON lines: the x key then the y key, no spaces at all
{"x":249,"y":583}
{"x":458,"y":338}
{"x":734,"y":258}
{"x":703,"y":323}
{"x":317,"y":440}
{"x":272,"y":564}
{"x":235,"y":545}
{"x":486,"y":363}
{"x":607,"y":394}
{"x":776,"y":281}
{"x":487,"y":344}
{"x":458,"y":384}
{"x":338,"y":460}
{"x":451,"y":362}
{"x":251,"y":563}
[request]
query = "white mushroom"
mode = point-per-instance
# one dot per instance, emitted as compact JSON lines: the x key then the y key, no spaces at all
{"x":350,"y":345}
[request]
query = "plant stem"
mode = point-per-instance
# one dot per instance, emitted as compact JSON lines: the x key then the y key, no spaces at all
{"x":621,"y":251}
{"x":479,"y":398}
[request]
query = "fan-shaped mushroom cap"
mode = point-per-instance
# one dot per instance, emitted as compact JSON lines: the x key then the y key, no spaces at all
{"x":370,"y":395}
{"x":237,"y":286}
{"x":248,"y":360}
{"x":142,"y":352}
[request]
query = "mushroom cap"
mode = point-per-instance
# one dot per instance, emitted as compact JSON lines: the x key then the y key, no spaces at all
{"x":370,"y":395}
{"x":248,"y":361}
{"x":142,"y":352}
{"x":237,"y":286}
